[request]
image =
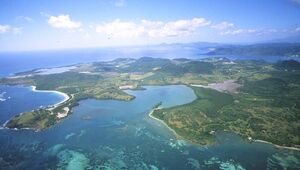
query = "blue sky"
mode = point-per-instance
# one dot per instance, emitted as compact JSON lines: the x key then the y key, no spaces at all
{"x":48,"y":24}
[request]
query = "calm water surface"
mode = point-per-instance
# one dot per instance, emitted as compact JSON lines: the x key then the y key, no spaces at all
{"x":11,"y":63}
{"x":108,"y":134}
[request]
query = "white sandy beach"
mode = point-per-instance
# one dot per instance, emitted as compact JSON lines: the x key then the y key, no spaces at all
{"x":66,"y":97}
{"x":64,"y":113}
{"x":258,"y":141}
{"x":150,"y":115}
{"x":277,"y":146}
{"x":61,"y":115}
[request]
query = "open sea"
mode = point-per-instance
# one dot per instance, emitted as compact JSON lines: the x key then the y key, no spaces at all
{"x":14,"y":62}
{"x":109,"y":134}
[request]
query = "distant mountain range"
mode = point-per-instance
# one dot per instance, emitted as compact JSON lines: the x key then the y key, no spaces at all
{"x":272,"y":48}
{"x":265,"y":49}
{"x":293,"y":39}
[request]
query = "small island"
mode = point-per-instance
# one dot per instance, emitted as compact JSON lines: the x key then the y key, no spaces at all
{"x":255,"y":99}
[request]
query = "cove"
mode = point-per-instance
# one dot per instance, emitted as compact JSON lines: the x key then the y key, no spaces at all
{"x":109,"y":134}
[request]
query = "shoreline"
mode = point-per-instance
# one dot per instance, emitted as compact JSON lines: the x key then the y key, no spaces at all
{"x":41,"y":71}
{"x":49,"y":107}
{"x":178,"y":137}
{"x":3,"y":127}
{"x":256,"y":140}
{"x":161,"y":121}
{"x":277,"y":146}
{"x":66,"y":97}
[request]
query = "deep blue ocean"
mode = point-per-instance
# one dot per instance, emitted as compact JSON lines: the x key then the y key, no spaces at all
{"x":108,"y":134}
{"x":14,"y":62}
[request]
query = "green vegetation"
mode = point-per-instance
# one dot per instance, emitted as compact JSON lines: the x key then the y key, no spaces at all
{"x":271,"y":49}
{"x":157,"y":105}
{"x":38,"y":119}
{"x":266,"y":106}
{"x":288,"y":65}
{"x":196,"y":120}
{"x":79,"y":86}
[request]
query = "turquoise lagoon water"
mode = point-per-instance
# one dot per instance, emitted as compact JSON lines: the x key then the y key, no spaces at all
{"x":108,"y":134}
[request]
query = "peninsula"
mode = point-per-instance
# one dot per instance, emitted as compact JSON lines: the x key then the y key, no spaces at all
{"x":255,"y":99}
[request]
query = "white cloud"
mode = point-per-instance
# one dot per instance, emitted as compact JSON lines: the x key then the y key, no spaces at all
{"x":10,"y":29}
{"x":152,"y":24}
{"x":180,"y":27}
{"x":118,"y":28}
{"x":150,"y":28}
{"x":63,"y":21}
{"x":45,"y":14}
{"x":239,"y":31}
{"x":87,"y":36}
{"x":17,"y":30}
{"x":223,"y":25}
{"x":297,"y":1}
{"x":120,"y":3}
{"x":28,"y":19}
{"x":297,"y":29}
{"x":4,"y":28}
{"x":250,"y":32}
